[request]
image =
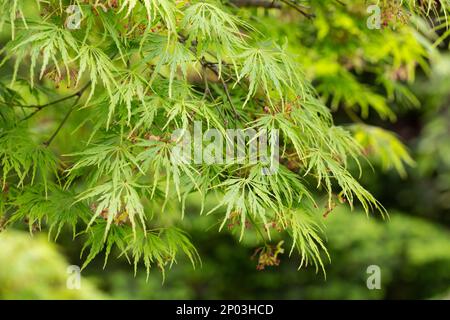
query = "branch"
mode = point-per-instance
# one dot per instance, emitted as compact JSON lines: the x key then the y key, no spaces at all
{"x":66,"y":117}
{"x":78,"y":94}
{"x":268,"y":4}
{"x":275,"y":4}
{"x":40,"y":107}
{"x":293,"y":4}
{"x":211,"y":66}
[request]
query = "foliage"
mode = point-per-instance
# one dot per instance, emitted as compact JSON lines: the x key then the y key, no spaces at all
{"x":412,"y":254}
{"x":136,"y":71}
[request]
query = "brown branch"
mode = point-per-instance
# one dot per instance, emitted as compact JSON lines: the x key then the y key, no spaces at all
{"x":298,"y":7}
{"x":40,"y":107}
{"x":275,"y":4}
{"x":268,"y":4}
{"x":66,"y":117}
{"x":213,"y":68}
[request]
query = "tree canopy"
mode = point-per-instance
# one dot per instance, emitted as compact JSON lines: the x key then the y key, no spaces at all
{"x":92,"y":91}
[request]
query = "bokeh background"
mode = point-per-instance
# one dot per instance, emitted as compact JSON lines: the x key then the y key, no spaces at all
{"x":411,"y":247}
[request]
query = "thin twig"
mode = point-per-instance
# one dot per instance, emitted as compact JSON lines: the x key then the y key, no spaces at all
{"x":297,"y":7}
{"x":42,"y":106}
{"x":206,"y":83}
{"x":268,"y":4}
{"x":39,"y":108}
{"x":66,"y":117}
{"x":213,"y":68}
